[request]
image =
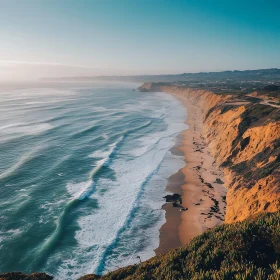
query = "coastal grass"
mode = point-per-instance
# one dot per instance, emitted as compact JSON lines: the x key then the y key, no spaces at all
{"x":243,"y":250}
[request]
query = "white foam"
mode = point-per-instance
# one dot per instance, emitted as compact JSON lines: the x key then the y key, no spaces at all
{"x":22,"y":160}
{"x":85,"y":189}
{"x":25,"y":128}
{"x":10,"y":234}
{"x":105,"y":136}
{"x":74,"y":188}
{"x":138,"y":160}
{"x":112,"y":215}
{"x":98,"y":154}
{"x":48,"y":101}
{"x":116,"y":199}
{"x":4,"y":127}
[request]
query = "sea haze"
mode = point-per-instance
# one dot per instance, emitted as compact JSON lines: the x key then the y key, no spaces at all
{"x":83,"y":171}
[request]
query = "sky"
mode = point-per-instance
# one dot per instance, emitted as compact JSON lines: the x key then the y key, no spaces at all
{"x":54,"y":38}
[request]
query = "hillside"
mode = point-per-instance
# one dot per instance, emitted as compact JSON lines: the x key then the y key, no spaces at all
{"x":235,"y":78}
{"x":243,"y":134}
{"x":244,"y":250}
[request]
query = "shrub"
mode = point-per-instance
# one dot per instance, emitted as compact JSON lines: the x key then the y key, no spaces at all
{"x":244,"y":250}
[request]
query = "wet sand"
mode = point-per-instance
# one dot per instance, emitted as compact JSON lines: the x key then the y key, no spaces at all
{"x":200,"y":183}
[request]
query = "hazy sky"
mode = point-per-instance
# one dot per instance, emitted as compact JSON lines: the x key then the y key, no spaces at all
{"x":43,"y":38}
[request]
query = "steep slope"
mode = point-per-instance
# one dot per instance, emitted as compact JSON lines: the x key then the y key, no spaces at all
{"x":243,"y":250}
{"x":244,"y":137}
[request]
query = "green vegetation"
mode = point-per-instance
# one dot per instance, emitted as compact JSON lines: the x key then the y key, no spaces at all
{"x":244,"y":250}
{"x":23,"y":276}
{"x":247,"y":168}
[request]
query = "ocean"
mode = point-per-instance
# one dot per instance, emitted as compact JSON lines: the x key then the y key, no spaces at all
{"x":83,"y":171}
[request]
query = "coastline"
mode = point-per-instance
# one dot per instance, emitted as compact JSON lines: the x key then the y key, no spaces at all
{"x":169,"y":231}
{"x":200,"y":183}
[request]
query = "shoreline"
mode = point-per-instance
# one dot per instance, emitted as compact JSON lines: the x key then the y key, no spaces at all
{"x":169,"y":231}
{"x":200,"y":183}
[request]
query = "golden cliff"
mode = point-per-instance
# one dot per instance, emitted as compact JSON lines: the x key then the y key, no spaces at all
{"x":244,"y":137}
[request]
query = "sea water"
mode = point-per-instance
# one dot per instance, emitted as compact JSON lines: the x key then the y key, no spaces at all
{"x":83,"y":170}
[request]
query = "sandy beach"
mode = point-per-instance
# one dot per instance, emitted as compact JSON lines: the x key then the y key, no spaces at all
{"x":200,"y":183}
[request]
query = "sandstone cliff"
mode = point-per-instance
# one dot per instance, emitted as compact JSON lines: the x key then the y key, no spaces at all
{"x":244,"y":136}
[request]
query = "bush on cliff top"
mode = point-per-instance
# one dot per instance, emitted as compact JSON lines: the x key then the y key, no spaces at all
{"x":22,"y":276}
{"x":244,"y":250}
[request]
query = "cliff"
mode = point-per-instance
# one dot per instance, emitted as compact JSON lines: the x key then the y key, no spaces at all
{"x":243,"y":133}
{"x":244,"y":137}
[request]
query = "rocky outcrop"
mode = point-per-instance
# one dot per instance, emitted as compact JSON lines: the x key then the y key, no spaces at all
{"x":244,"y":137}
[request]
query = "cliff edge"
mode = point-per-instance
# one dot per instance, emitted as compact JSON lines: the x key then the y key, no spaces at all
{"x":243,"y":134}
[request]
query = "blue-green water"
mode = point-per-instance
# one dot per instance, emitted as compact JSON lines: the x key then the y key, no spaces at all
{"x":83,"y":171}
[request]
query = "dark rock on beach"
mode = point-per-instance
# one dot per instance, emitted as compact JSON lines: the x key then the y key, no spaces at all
{"x":173,"y":198}
{"x":219,"y":181}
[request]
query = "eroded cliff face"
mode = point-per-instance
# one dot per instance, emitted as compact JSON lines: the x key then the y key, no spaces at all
{"x":244,"y":137}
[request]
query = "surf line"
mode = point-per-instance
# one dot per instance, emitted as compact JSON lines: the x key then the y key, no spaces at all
{"x":55,"y":237}
{"x":133,"y":211}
